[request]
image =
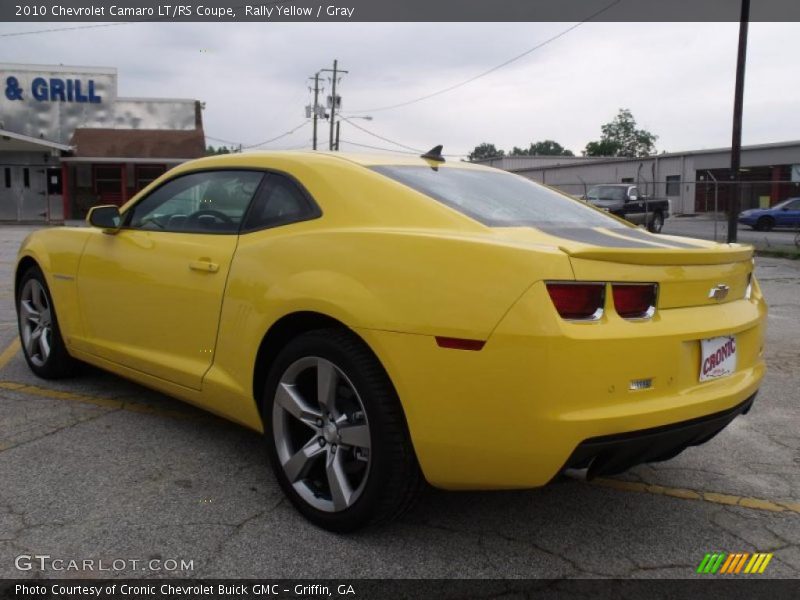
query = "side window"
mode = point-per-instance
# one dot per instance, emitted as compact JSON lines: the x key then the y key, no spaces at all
{"x":280,"y":201}
{"x":205,"y":202}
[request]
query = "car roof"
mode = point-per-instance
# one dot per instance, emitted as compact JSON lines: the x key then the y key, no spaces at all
{"x":260,"y":158}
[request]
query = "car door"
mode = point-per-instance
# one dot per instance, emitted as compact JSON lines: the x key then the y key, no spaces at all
{"x":150,"y":294}
{"x":789,"y":216}
{"x":634,"y":209}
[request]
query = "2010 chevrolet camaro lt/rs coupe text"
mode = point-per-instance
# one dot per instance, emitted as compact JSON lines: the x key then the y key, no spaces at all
{"x":387,"y":322}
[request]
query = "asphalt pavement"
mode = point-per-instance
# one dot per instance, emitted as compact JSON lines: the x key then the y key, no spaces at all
{"x":98,"y":468}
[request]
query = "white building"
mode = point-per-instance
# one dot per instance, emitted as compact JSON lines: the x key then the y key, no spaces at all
{"x":771,"y":173}
{"x":68,"y":141}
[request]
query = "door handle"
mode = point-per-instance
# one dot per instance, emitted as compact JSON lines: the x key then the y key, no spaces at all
{"x":204,"y":265}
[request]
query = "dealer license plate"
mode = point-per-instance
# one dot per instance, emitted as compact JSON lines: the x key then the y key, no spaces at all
{"x":717,"y":357}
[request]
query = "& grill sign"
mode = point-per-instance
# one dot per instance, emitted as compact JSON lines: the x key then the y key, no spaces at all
{"x":53,"y":89}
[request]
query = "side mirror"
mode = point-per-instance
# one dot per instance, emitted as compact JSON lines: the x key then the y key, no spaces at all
{"x":105,"y":217}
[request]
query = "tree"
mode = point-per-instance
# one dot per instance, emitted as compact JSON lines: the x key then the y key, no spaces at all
{"x":620,"y":137}
{"x":603,"y":148}
{"x":485,"y":150}
{"x":542,"y":148}
{"x":210,"y":150}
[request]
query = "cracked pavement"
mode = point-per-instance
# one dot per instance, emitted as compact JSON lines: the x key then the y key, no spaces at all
{"x":99,"y":468}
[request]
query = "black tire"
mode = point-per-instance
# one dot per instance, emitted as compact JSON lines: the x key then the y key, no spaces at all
{"x":765,"y":224}
{"x":58,"y":363}
{"x":393,"y":480}
{"x":657,"y":223}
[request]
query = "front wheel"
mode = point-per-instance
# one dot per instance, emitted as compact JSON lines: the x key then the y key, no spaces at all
{"x":42,"y":344}
{"x":765,"y":224}
{"x":336,"y":434}
{"x":657,"y":223}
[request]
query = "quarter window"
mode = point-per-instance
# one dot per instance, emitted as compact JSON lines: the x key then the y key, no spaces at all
{"x":280,"y":201}
{"x":205,"y":202}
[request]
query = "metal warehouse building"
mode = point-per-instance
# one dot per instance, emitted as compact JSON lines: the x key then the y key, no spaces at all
{"x":694,"y":181}
{"x":69,"y":142}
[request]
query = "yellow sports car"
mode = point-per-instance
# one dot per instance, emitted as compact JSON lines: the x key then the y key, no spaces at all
{"x":389,"y":321}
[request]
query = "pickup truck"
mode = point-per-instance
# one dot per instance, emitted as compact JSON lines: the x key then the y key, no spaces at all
{"x":625,"y":201}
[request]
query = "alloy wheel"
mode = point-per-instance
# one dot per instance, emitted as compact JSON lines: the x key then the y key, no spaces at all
{"x":36,"y":325}
{"x":321,"y":434}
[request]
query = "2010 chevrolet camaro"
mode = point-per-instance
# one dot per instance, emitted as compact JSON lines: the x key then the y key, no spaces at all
{"x":390,"y":321}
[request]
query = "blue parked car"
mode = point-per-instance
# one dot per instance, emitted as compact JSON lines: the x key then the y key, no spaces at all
{"x":783,"y":214}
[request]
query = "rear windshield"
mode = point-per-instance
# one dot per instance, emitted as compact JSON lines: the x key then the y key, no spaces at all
{"x":498,"y":199}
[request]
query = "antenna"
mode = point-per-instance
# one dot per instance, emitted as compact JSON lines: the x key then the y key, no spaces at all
{"x":434,"y":153}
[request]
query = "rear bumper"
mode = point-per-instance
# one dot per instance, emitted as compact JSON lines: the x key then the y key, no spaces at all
{"x":612,"y":454}
{"x":513,"y":414}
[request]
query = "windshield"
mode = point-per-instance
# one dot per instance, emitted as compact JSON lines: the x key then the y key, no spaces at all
{"x":786,"y":204}
{"x":606,"y":192}
{"x":498,"y":198}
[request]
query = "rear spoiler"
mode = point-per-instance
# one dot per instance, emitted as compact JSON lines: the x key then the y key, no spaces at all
{"x":663,"y":256}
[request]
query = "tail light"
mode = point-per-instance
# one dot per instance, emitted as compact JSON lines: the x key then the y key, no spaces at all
{"x":578,"y":301}
{"x":634,"y":300}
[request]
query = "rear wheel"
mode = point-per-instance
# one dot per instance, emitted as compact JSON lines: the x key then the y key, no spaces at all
{"x":42,"y":344}
{"x":657,"y":223}
{"x":336,"y":435}
{"x":765,"y":223}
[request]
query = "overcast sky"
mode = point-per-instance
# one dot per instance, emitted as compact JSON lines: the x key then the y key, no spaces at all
{"x":678,"y":79}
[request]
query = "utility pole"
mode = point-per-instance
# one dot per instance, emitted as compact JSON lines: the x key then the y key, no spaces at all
{"x":736,"y":143}
{"x":315,"y":107}
{"x":335,"y":71}
{"x":337,"y":135}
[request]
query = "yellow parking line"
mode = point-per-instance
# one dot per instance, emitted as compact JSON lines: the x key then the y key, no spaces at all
{"x":615,"y":484}
{"x":712,"y":497}
{"x":113,"y":403}
{"x":9,"y":352}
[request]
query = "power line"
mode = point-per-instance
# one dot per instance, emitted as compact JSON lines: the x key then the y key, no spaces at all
{"x":378,"y":147}
{"x":395,"y":151}
{"x":277,"y":137}
{"x":385,"y":139}
{"x":216,"y":139}
{"x":380,"y":137}
{"x":247,"y":146}
{"x":495,"y":68}
{"x":57,"y":29}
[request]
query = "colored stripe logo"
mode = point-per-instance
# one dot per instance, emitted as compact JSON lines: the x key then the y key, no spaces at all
{"x":734,"y":563}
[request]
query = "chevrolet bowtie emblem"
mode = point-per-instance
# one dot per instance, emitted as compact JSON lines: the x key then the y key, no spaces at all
{"x":718,"y":292}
